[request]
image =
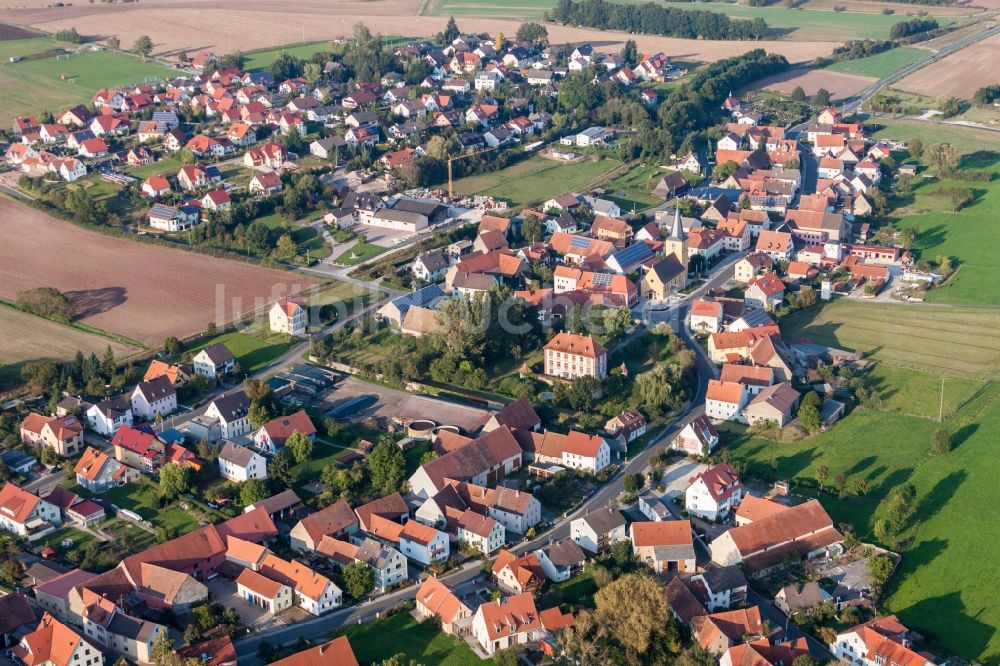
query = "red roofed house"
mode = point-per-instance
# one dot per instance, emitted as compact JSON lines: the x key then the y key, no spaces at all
{"x":273,"y":434}
{"x":664,"y":546}
{"x":96,"y":147}
{"x":155,"y":186}
{"x":434,"y":599}
{"x":55,"y":644}
{"x":706,"y":316}
{"x":337,"y":652}
{"x":289,"y":315}
{"x":499,"y":625}
{"x":590,"y":453}
{"x":569,"y":355}
{"x":713,"y":493}
{"x":763,"y":653}
{"x":879,"y":642}
{"x":803,"y":531}
{"x":216,"y":200}
{"x":336,"y":520}
{"x":724,"y":401}
{"x":25,"y":514}
{"x":64,"y":434}
{"x":265,"y":183}
{"x":718,"y":632}
{"x":767,"y":291}
{"x":191,"y":178}
{"x":515,"y":575}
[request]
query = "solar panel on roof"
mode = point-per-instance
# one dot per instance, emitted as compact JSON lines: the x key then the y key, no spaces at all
{"x":602,"y":279}
{"x":580,"y":242}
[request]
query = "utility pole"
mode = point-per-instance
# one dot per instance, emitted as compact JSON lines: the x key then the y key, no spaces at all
{"x":941,"y":405}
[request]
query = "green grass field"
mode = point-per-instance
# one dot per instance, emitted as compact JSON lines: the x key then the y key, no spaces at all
{"x":141,"y":497}
{"x":916,"y":393}
{"x":536,"y":179}
{"x":303,"y":234}
{"x":31,"y":86}
{"x":631,"y":189}
{"x":359,"y":253}
{"x":252,"y":352}
{"x":255,"y":60}
{"x":960,"y":235}
{"x":882,"y":64}
{"x":943,"y":341}
{"x":799,"y":24}
{"x":939,"y":589}
{"x":419,"y":641}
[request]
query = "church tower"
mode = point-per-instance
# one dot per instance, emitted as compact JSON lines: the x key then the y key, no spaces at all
{"x":676,"y":243}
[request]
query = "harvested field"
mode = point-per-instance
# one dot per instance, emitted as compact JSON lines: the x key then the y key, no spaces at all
{"x":960,"y":74}
{"x":839,"y":84}
{"x":11,"y":32}
{"x":946,"y":341}
{"x":140,"y":291}
{"x":253,"y":24}
{"x":29,"y":338}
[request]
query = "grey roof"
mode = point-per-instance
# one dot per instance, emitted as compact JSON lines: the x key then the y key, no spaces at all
{"x":374,"y":554}
{"x":434,"y":260}
{"x":219,"y":353}
{"x":604,"y":520}
{"x":232,"y":406}
{"x":724,"y":578}
{"x":655,"y":503}
{"x":476,"y":281}
{"x":425,"y":207}
{"x":674,"y":553}
{"x":801,"y":596}
{"x":236,"y":454}
{"x":113,"y":407}
{"x":130,"y":627}
{"x":565,"y":553}
{"x":405,"y":216}
{"x":156,"y":388}
{"x":275,"y":503}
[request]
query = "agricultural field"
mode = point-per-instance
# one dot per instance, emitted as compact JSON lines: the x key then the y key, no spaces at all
{"x":536,"y":179}
{"x":943,"y":341}
{"x":938,"y":590}
{"x":959,"y":74}
{"x":136,"y":290}
{"x":882,"y":64}
{"x":29,"y":338}
{"x":804,"y":24}
{"x":966,"y":139}
{"x":840,"y":85}
{"x":29,"y":86}
{"x":256,"y":24}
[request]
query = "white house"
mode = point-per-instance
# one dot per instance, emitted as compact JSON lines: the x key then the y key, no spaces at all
{"x":230,"y":413}
{"x":597,"y":530}
{"x":498,"y":625}
{"x":697,"y":437}
{"x":289,"y":315}
{"x":430,"y":266}
{"x":25,"y":514}
{"x":713,"y":493}
{"x":108,"y":415}
{"x":156,"y":397}
{"x":239,"y":463}
{"x":589,"y":453}
{"x":560,"y":560}
{"x":767,"y":292}
{"x":424,"y":544}
{"x":724,"y":401}
{"x":706,"y":316}
{"x":882,"y":641}
{"x":214,"y":360}
{"x":480,"y":532}
{"x":263,"y":592}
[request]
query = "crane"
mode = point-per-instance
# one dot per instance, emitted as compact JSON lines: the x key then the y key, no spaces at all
{"x":461,"y":157}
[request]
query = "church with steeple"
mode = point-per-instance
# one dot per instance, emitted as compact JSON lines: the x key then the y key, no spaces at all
{"x":670,"y":274}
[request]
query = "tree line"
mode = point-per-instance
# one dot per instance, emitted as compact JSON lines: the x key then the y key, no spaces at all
{"x":652,"y":19}
{"x":912,"y":27}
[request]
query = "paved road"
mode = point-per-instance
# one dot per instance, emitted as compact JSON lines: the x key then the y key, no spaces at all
{"x":321,"y":627}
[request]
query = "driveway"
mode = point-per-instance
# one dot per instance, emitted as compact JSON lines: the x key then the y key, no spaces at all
{"x":675,"y":478}
{"x":224,"y":591}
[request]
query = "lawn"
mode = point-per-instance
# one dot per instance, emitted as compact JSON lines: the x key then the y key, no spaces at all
{"x":252,"y":352}
{"x":141,"y":497}
{"x":917,"y":393}
{"x":801,"y":24}
{"x":29,"y":86}
{"x":882,"y":64}
{"x":631,"y":190}
{"x":421,"y":642}
{"x":535,"y":179}
{"x":254,"y":60}
{"x":343,"y":298}
{"x":943,"y":341}
{"x":304,"y":235}
{"x":167,"y":166}
{"x":358,"y":253}
{"x":78,"y":537}
{"x":966,"y":139}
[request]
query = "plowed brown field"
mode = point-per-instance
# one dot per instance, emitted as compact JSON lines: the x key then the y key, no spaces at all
{"x":140,"y":291}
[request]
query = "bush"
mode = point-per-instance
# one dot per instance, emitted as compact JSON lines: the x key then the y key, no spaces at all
{"x":47,"y":302}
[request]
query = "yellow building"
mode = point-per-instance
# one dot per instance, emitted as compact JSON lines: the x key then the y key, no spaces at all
{"x":670,"y":274}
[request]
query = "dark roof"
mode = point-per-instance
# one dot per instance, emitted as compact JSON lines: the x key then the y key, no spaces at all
{"x":130,"y":627}
{"x":232,"y":406}
{"x":156,"y":388}
{"x":15,"y":611}
{"x":565,"y":553}
{"x":668,"y":268}
{"x":604,"y":520}
{"x":236,"y":454}
{"x":420,"y":206}
{"x":683,"y":602}
{"x":519,"y":414}
{"x":219,"y":353}
{"x":275,"y":503}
